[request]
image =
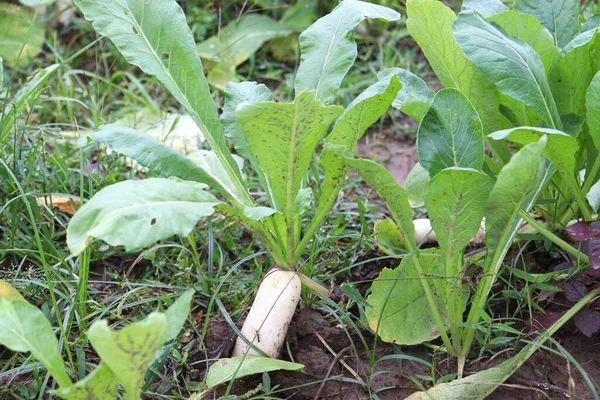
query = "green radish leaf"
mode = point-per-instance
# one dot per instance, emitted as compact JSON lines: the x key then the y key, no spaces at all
{"x":136,"y":214}
{"x":208,"y":161}
{"x":561,"y":149}
{"x":430,"y":24}
{"x":572,"y":73}
{"x":176,"y":315}
{"x":100,"y":384}
{"x":474,"y":387}
{"x":284,"y":138}
{"x":130,"y":351}
{"x":529,"y":29}
{"x":516,"y":188}
{"x":1,"y":72}
{"x":164,"y":160}
{"x":415,"y":97}
{"x":16,"y":22}
{"x":592,"y":105}
{"x":560,"y":17}
{"x":27,"y":93}
{"x":25,"y":328}
{"x":37,"y":3}
{"x":450,"y":134}
{"x":153,"y":35}
{"x":258,"y":213}
{"x":416,"y":186}
{"x":235,"y":43}
{"x":456,"y":199}
{"x":363,"y":112}
{"x":236,"y":94}
{"x":484,"y":7}
{"x":227,"y":369}
{"x":400,"y":312}
{"x":329,"y":50}
{"x":509,"y":62}
{"x":388,"y":189}
{"x":388,"y":238}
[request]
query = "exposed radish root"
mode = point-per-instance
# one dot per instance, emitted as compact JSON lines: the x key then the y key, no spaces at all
{"x":424,"y":232}
{"x":270,"y":314}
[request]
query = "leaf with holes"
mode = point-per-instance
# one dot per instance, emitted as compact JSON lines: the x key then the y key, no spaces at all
{"x":284,"y":138}
{"x":136,"y":214}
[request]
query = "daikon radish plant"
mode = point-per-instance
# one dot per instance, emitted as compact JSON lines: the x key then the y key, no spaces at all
{"x":126,"y":354}
{"x":517,"y":83}
{"x":277,"y":141}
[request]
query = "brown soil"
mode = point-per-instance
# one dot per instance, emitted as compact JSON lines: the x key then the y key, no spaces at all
{"x":543,"y":376}
{"x":394,"y":150}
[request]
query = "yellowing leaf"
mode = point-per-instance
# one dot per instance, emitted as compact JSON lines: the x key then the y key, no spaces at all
{"x":9,"y":292}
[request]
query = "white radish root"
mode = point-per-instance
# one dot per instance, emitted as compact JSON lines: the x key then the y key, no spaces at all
{"x":270,"y":314}
{"x":424,"y":232}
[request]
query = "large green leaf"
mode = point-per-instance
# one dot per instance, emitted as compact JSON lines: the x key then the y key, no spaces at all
{"x":136,"y":214}
{"x":450,"y":134}
{"x":484,"y":7}
{"x":561,"y":148}
{"x":509,"y":62}
{"x":572,"y":73}
{"x":456,"y":198}
{"x":226,"y":369}
{"x":529,"y":29}
{"x":400,"y":311}
{"x":235,"y":43}
{"x":430,"y":24}
{"x":516,"y":183}
{"x":592,"y":105}
{"x":16,"y":22}
{"x":284,"y":138}
{"x":328,"y":47}
{"x":100,"y":384}
{"x":153,"y":35}
{"x":560,"y":17}
{"x":130,"y":351}
{"x":25,"y":328}
{"x":177,"y":314}
{"x":164,"y":160}
{"x":236,"y":94}
{"x":415,"y":97}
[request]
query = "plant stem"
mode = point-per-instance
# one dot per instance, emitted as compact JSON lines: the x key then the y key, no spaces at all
{"x":589,"y":179}
{"x":552,"y":237}
{"x":309,"y":283}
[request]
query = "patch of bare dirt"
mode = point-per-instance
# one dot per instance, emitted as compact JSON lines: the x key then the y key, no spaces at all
{"x":396,"y":152}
